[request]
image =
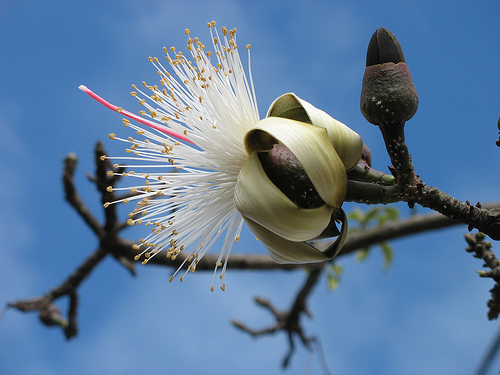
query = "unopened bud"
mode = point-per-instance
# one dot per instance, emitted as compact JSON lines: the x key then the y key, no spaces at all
{"x":286,"y":172}
{"x":388,"y":95}
{"x":50,"y":315}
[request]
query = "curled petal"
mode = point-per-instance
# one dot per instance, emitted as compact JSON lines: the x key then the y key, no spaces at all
{"x":346,"y":141}
{"x":258,"y":199}
{"x":313,"y":149}
{"x":286,"y":252}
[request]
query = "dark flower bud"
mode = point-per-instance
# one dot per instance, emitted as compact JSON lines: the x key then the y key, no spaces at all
{"x":388,"y":95}
{"x":50,"y":315}
{"x":286,"y":172}
{"x":384,"y":48}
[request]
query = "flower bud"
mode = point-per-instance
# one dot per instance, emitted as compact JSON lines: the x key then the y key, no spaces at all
{"x":388,"y":95}
{"x":285,"y":171}
{"x":291,"y":188}
{"x":50,"y":315}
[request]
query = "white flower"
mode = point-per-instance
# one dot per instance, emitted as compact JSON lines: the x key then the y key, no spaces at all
{"x":198,"y":173}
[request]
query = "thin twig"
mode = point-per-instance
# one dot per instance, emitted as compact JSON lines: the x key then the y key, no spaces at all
{"x":288,"y":321}
{"x":73,"y":198}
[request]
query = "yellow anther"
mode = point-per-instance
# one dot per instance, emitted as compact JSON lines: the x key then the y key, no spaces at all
{"x":109,"y":189}
{"x":130,"y":222}
{"x":171,"y":279}
{"x":248,"y":46}
{"x":187,"y":32}
{"x":223,"y":287}
{"x":125,"y":201}
{"x":106,"y":204}
{"x":110,"y":173}
{"x":136,"y":247}
{"x":144,"y":261}
{"x":211,"y":288}
{"x":150,"y":59}
{"x":213,"y":23}
{"x":181,"y":279}
{"x":112,"y":136}
{"x":102,"y":157}
{"x":119,"y":109}
{"x":137,"y":257}
{"x":133,"y":93}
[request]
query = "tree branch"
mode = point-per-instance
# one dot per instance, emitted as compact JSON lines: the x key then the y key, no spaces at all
{"x":73,"y":198}
{"x":288,"y":321}
{"x":123,"y":251}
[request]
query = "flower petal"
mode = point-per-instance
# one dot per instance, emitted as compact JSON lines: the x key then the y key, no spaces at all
{"x":313,"y":149}
{"x":286,"y":252}
{"x":257,"y":198}
{"x":346,"y":141}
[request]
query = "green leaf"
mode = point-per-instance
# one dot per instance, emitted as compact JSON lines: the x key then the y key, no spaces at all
{"x":357,"y":215}
{"x":333,"y":281}
{"x":387,"y":254}
{"x":371,"y":215}
{"x":392,"y":213}
{"x":337,"y":269}
{"x":362,"y":254}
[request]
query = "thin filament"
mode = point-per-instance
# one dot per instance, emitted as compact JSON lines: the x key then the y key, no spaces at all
{"x":133,"y":116}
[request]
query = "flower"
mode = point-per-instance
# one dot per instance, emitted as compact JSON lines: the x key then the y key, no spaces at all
{"x":200,"y":171}
{"x":324,"y":150}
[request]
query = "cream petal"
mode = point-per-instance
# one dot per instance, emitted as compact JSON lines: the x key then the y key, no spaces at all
{"x":313,"y":149}
{"x":347,"y":142}
{"x":257,"y":198}
{"x":286,"y":252}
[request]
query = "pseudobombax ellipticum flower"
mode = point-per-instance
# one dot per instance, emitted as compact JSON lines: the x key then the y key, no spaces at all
{"x":205,"y":163}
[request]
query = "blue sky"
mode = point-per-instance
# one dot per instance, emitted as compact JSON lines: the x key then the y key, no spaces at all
{"x":427,"y":314}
